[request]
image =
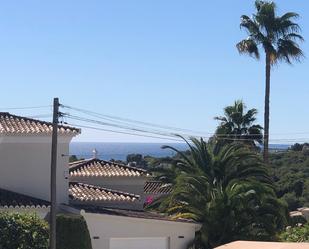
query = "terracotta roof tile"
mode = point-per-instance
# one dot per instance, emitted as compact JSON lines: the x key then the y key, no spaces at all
{"x":156,"y":187}
{"x":90,"y":193}
{"x":11,"y":124}
{"x":101,"y":168}
{"x":12,"y":199}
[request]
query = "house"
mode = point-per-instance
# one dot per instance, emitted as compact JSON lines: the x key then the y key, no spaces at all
{"x":301,"y":212}
{"x":25,"y":152}
{"x":109,"y":196}
{"x":264,"y":245}
{"x":111,"y":176}
{"x":119,"y":177}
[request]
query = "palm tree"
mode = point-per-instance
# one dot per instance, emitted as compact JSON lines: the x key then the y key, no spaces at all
{"x":278,"y":36}
{"x":238,"y":125}
{"x":226,"y":189}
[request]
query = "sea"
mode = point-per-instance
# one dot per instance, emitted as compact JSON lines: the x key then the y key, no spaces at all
{"x":119,"y":151}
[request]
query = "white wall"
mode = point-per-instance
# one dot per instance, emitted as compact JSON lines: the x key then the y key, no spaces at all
{"x":25,"y":165}
{"x":111,"y":226}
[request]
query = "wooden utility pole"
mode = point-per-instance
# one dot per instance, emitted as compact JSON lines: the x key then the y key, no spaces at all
{"x":53,"y":178}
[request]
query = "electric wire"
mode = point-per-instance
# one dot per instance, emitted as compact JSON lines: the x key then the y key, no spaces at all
{"x":167,"y":135}
{"x":120,"y":132}
{"x":127,"y":121}
{"x":27,"y":107}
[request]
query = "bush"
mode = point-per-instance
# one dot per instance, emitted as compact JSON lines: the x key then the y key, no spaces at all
{"x":28,"y":231}
{"x":296,"y":234}
{"x":22,"y":231}
{"x":72,"y":232}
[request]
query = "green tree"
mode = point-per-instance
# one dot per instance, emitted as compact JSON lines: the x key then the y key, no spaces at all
{"x":238,"y":125}
{"x":22,"y":231}
{"x":228,"y":190}
{"x":279,"y":37}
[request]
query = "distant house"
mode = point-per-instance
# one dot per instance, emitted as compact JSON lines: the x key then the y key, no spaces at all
{"x":118,"y":177}
{"x":110,"y":196}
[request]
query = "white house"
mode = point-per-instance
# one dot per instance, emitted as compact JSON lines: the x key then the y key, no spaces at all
{"x":109,"y":196}
{"x":25,"y":152}
{"x":118,"y":177}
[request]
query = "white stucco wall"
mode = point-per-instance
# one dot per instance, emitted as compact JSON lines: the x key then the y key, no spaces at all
{"x":104,"y":227}
{"x":25,"y":165}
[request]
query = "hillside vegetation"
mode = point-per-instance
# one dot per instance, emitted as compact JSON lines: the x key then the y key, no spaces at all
{"x":290,"y":172}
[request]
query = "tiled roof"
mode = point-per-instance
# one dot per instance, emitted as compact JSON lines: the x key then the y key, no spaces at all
{"x":11,"y":124}
{"x":156,"y":187}
{"x":90,"y":193}
{"x":100,"y":168}
{"x":10,"y":199}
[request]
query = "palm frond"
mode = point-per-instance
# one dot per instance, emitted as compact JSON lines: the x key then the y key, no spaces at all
{"x":248,"y":46}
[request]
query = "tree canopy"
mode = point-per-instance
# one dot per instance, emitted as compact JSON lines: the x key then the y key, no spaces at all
{"x":227,"y":189}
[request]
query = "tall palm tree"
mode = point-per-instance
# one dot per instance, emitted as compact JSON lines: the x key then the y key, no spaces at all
{"x":238,"y":125}
{"x":278,"y":36}
{"x":226,"y":189}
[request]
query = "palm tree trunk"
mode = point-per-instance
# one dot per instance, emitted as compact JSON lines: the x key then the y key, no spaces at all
{"x":266,"y":110}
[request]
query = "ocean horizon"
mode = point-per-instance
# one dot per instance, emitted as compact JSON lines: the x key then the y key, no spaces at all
{"x":119,"y":150}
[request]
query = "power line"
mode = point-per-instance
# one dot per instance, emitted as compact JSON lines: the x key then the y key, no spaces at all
{"x":127,"y":120}
{"x":128,"y":127}
{"x":110,"y":117}
{"x":121,"y":132}
{"x":117,"y":125}
{"x":25,"y":108}
{"x":170,"y":136}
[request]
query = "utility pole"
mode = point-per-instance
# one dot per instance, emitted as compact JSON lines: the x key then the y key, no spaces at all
{"x":53,"y":177}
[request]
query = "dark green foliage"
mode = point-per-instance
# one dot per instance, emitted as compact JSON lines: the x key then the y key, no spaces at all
{"x":237,"y":124}
{"x":227,"y":189}
{"x":290,"y":171}
{"x":22,"y":231}
{"x":137,"y":159}
{"x":296,"y":220}
{"x":27,"y":231}
{"x":277,"y":35}
{"x":297,"y":147}
{"x":296,"y":234}
{"x":72,"y":232}
{"x":74,"y":158}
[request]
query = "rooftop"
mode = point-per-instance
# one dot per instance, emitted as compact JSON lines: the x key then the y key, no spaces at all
{"x":157,"y":187}
{"x":12,"y":124}
{"x":264,"y":245}
{"x":100,"y":168}
{"x":10,"y":199}
{"x":94,"y":194}
{"x":131,"y":213}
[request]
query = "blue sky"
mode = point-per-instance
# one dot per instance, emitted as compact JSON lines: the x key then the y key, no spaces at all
{"x":166,"y":62}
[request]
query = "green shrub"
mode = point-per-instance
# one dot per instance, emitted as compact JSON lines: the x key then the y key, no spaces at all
{"x":296,"y":234}
{"x":72,"y":232}
{"x":28,"y":231}
{"x":22,"y":231}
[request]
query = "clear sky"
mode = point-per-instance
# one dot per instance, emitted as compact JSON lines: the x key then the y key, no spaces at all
{"x":167,"y":62}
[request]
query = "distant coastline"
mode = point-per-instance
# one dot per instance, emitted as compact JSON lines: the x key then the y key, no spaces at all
{"x":119,"y":151}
